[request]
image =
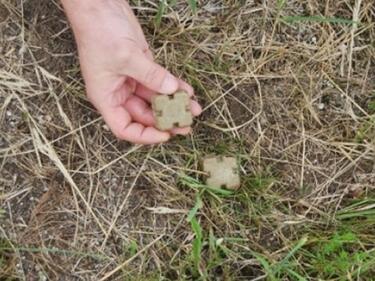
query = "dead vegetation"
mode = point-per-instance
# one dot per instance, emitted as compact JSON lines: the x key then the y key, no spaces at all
{"x":288,"y":88}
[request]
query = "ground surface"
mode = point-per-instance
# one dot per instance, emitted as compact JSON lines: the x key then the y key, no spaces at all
{"x":288,"y":88}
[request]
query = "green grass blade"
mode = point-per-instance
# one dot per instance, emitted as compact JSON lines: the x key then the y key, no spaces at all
{"x":284,"y":262}
{"x":55,"y":251}
{"x":193,"y":5}
{"x":320,"y":19}
{"x":364,"y":208}
{"x":197,"y":243}
{"x":299,"y":245}
{"x":280,"y":4}
{"x":366,"y":266}
{"x":160,"y":13}
{"x":361,"y":203}
{"x":296,"y":275}
{"x":266,"y":266}
{"x":356,"y":214}
{"x":191,"y":182}
{"x":194,"y":210}
{"x":197,"y":185}
{"x":219,"y":191}
{"x":196,"y":228}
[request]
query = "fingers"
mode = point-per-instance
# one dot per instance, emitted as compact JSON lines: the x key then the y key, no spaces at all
{"x":140,"y":111}
{"x":186,"y":87}
{"x":147,"y":95}
{"x":120,"y":122}
{"x":137,"y":133}
{"x":144,"y":92}
{"x":196,"y":109}
{"x":139,"y":66}
{"x":181,"y":131}
{"x":131,"y":85}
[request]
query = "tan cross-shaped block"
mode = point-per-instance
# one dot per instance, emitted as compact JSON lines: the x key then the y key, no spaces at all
{"x":172,"y":111}
{"x":222,"y":172}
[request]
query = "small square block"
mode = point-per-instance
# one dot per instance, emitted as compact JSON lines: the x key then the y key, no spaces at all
{"x":222,"y":172}
{"x":172,"y":111}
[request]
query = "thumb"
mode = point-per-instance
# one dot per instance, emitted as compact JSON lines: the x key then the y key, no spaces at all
{"x":151,"y":74}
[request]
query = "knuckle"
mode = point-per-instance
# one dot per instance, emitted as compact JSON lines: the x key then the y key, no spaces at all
{"x":124,"y":49}
{"x":155,"y":75}
{"x":125,"y":55}
{"x":118,"y":133}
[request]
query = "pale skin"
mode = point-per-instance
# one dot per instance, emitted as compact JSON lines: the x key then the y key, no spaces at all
{"x":119,"y":70}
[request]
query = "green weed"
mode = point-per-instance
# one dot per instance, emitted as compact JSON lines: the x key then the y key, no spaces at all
{"x":335,"y":258}
{"x":340,"y":256}
{"x":130,"y":249}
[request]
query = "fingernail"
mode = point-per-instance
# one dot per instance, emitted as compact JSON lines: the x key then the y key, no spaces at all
{"x":181,"y":131}
{"x":199,"y":109}
{"x":169,"y":85}
{"x":166,"y":138}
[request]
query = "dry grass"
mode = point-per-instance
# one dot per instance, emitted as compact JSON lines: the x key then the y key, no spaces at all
{"x":288,"y":87}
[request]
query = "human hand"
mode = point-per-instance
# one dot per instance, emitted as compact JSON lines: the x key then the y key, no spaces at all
{"x":119,"y":71}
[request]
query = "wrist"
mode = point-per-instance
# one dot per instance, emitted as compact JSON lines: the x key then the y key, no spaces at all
{"x":81,"y":13}
{"x":73,"y":7}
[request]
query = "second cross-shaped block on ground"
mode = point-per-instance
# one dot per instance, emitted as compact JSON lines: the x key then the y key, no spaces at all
{"x":222,"y":172}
